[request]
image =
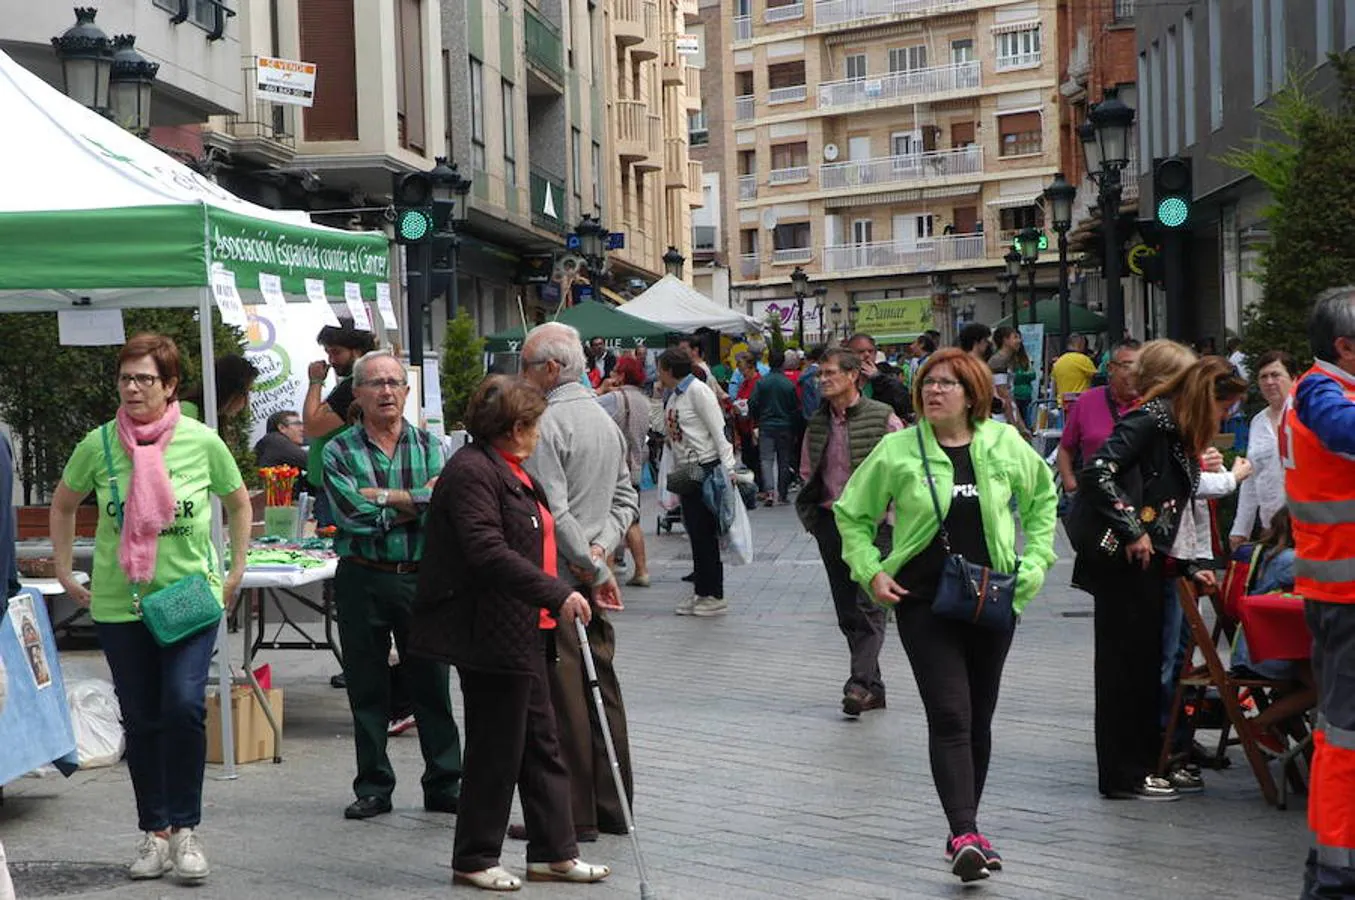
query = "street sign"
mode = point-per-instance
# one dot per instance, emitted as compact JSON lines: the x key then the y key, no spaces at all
{"x":573,"y":242}
{"x":1044,"y":242}
{"x":688,"y":44}
{"x":285,"y":81}
{"x":616,"y":240}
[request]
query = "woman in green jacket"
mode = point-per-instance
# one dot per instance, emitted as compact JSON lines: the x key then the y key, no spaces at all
{"x":979,"y":467}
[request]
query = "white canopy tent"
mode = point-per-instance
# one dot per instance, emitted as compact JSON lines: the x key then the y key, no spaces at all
{"x":678,"y":306}
{"x":92,"y":217}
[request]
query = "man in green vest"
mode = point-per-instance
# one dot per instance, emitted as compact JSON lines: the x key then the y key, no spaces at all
{"x":838,"y":437}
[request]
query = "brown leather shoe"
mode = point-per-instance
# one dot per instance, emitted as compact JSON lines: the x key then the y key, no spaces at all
{"x":858,"y":700}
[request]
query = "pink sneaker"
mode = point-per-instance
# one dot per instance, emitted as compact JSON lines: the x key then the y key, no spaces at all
{"x":968,"y":860}
{"x":994,"y":858}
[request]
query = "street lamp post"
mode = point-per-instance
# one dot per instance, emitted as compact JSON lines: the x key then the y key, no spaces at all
{"x":450,"y":189}
{"x":1005,"y":284}
{"x":799,"y":279}
{"x":1105,"y":142}
{"x":1060,"y":196}
{"x":592,"y":237}
{"x":835,"y":313}
{"x":673,"y":261}
{"x":1028,"y":242}
{"x":130,"y":81}
{"x":86,"y":56}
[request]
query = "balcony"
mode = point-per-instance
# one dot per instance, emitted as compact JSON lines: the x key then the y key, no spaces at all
{"x":653,"y":162}
{"x":675,"y":169}
{"x":543,"y":183}
{"x":787,"y":13}
{"x":266,"y":132}
{"x":1124,"y":12}
{"x":793,"y":94}
{"x":1018,"y":61}
{"x":898,"y":87}
{"x":748,"y":187}
{"x":788,"y":175}
{"x":744,"y":108}
{"x":749,"y":266}
{"x":545,"y":51}
{"x":895,"y":170}
{"x":791,"y":255}
{"x":703,"y":238}
{"x":837,"y":13}
{"x":633,"y":132}
{"x":743,"y":28}
{"x":628,"y":22}
{"x":691,"y":77}
{"x":696,"y":179}
{"x":672,"y":64}
{"x":691,"y":11}
{"x":923,"y":256}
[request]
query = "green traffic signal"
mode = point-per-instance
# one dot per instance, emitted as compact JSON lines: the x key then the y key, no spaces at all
{"x":1044,"y":243}
{"x":414,"y":225}
{"x":1172,"y":212}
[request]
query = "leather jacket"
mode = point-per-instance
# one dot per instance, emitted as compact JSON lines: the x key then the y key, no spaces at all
{"x":1137,"y":483}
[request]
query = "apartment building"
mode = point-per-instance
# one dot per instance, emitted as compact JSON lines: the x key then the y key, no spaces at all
{"x":1206,"y":70}
{"x":708,"y":139}
{"x":891,"y":148}
{"x":652,"y":183}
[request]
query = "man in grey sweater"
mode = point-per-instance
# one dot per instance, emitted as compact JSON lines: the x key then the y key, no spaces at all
{"x":580,"y":462}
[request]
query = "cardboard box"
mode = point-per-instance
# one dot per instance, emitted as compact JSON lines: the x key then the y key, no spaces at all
{"x":253,"y":737}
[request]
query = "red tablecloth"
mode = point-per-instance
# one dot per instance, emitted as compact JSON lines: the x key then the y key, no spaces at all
{"x":1274,"y":626}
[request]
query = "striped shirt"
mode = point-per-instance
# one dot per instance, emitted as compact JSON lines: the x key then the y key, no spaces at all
{"x":354,"y":461}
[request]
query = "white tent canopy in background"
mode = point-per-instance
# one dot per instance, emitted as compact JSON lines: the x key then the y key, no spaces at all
{"x":678,"y":306}
{"x":92,"y":217}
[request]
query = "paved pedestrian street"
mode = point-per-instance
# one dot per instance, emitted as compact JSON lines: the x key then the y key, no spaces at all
{"x":750,"y":783}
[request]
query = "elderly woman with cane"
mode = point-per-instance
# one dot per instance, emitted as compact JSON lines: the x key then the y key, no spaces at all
{"x":483,"y":600}
{"x":166,"y":467}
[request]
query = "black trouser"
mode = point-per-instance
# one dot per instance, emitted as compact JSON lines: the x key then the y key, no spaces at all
{"x":511,"y":740}
{"x":958,"y":669}
{"x":699,"y":521}
{"x":752,"y":459}
{"x":1128,"y":626}
{"x":372,"y":607}
{"x":592,"y":788}
{"x":861,"y":622}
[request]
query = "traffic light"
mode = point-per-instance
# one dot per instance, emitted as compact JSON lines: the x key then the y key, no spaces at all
{"x":413,"y":195}
{"x":1173,"y":192}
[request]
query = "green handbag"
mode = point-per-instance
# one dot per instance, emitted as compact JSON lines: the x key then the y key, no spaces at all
{"x":179,"y":610}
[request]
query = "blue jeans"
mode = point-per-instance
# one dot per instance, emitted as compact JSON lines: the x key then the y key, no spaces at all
{"x":163,"y":695}
{"x":1175,"y":633}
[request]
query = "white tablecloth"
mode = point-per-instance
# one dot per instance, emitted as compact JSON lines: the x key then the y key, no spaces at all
{"x":269,"y":577}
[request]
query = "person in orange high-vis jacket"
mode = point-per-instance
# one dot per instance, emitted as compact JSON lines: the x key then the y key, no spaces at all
{"x":1317,"y":447}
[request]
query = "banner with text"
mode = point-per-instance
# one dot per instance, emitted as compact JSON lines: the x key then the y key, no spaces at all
{"x":894,"y":321}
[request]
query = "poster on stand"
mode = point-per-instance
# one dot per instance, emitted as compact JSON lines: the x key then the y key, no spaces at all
{"x":34,"y":717}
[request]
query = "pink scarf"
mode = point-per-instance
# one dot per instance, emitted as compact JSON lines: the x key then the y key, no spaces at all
{"x":149,"y":505}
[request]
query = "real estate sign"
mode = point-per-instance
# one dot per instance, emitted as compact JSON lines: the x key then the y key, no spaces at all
{"x":286,"y":81}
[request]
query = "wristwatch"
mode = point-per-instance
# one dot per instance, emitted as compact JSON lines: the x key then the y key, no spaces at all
{"x":382,"y":496}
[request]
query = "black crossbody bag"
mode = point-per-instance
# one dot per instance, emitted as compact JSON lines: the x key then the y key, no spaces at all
{"x":968,"y":592}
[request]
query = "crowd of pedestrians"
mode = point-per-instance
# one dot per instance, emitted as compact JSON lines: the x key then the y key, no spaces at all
{"x":914,"y":473}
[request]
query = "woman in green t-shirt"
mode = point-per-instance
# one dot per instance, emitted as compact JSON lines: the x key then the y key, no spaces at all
{"x":1023,"y":382}
{"x":166,"y":467}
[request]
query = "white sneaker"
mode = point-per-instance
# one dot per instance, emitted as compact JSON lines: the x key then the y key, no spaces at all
{"x":710,"y":606}
{"x":685,"y":606}
{"x":190,"y":863}
{"x":152,"y":858}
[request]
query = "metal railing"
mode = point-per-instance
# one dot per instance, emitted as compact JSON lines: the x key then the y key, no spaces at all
{"x":744,"y":108}
{"x":1124,"y":11}
{"x":898,"y":86}
{"x":743,"y":28}
{"x":545,"y":48}
{"x":792,"y":255}
{"x":632,"y":126}
{"x":892,"y":170}
{"x":829,"y":13}
{"x":1017,"y":61}
{"x":747,"y":187}
{"x":703,"y":238}
{"x":792,"y":94}
{"x":783,"y":13}
{"x":788,"y":175}
{"x":899,"y":257}
{"x":749,"y":265}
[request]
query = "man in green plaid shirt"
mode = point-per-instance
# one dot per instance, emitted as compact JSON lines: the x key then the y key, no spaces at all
{"x":379,"y":475}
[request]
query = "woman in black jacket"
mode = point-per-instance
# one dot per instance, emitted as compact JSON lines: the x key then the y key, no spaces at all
{"x":487,"y":598}
{"x":1130,"y":498}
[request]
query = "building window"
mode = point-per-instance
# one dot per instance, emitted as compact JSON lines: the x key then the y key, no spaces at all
{"x":409,"y":111}
{"x":1350,"y":23}
{"x":698,"y":132}
{"x":1124,"y":11}
{"x":786,"y":75}
{"x":1145,"y":115}
{"x":477,"y":115}
{"x":597,"y":176}
{"x":1277,"y":44}
{"x":1173,"y":131}
{"x":576,"y":163}
{"x":1215,"y":25}
{"x":1188,"y":73}
{"x":856,"y":67}
{"x":206,"y":14}
{"x":1156,"y":110}
{"x":1019,"y":134}
{"x":510,"y":166}
{"x":1018,"y":49}
{"x":1260,"y":47}
{"x":447,"y":115}
{"x":792,"y":236}
{"x":790,"y":156}
{"x":962,"y":52}
{"x":1324,"y":31}
{"x":907,"y":59}
{"x":1017,"y":217}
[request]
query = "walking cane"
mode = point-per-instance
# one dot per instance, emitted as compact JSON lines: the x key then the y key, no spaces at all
{"x":645,"y":892}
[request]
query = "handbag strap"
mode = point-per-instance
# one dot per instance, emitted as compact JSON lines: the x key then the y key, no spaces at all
{"x":117,"y":506}
{"x":931,"y":487}
{"x":1114,"y":410}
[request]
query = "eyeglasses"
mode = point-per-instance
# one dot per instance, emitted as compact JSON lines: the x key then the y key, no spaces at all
{"x":382,"y":383}
{"x":527,"y":364}
{"x":141,"y":380}
{"x":291,"y":422}
{"x":944,"y":385}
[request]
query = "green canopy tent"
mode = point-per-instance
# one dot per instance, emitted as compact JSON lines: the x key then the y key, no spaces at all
{"x":593,"y":320}
{"x":1080,"y":319}
{"x":94,"y":218}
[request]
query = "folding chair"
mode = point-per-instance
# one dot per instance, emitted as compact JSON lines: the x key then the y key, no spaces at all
{"x":1213,"y":674}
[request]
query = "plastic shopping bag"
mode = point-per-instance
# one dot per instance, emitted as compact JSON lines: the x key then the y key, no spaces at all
{"x":720,"y":498}
{"x":96,"y":720}
{"x":738,"y":543}
{"x":667,"y":499}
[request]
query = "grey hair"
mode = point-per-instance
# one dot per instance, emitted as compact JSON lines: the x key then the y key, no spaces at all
{"x":1333,"y":317}
{"x":559,"y":342}
{"x":360,"y":367}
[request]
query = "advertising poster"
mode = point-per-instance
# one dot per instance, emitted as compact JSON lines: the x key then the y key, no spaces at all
{"x":34,"y":718}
